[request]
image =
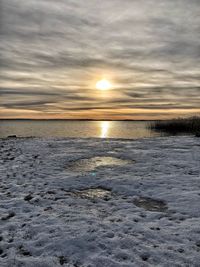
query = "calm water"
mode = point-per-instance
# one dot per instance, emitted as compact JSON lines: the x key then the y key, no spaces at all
{"x":102,"y":129}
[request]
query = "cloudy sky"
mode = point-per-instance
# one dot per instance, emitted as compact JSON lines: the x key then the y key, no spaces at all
{"x":54,"y":52}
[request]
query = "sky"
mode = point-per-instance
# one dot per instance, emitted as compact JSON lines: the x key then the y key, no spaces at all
{"x":54,"y":52}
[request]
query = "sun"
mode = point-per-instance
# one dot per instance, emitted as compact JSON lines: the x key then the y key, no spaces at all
{"x":103,"y":85}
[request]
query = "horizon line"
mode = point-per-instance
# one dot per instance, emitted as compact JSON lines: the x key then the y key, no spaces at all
{"x":43,"y":119}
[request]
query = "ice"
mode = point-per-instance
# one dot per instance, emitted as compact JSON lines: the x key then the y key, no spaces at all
{"x":99,"y":202}
{"x":90,"y":164}
{"x":150,"y":204}
{"x":93,"y":193}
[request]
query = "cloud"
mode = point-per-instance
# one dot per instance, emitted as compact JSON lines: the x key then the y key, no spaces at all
{"x":51,"y":53}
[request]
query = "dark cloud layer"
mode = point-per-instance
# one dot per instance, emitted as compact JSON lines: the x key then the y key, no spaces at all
{"x":53,"y":52}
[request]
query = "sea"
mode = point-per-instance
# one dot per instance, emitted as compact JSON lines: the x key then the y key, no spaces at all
{"x":77,"y":129}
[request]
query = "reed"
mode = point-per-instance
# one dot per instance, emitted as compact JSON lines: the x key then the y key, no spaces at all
{"x":179,"y":125}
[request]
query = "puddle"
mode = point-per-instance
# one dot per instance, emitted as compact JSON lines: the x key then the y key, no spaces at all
{"x":150,"y":204}
{"x":95,"y":162}
{"x":93,"y":193}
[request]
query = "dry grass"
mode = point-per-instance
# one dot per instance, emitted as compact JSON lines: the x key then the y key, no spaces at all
{"x":180,"y":125}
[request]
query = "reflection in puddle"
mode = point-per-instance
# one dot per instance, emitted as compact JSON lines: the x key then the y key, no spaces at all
{"x":150,"y":204}
{"x":95,"y":162}
{"x":94,"y":193}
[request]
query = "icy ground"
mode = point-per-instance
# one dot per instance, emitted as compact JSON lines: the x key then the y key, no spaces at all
{"x":101,"y":203}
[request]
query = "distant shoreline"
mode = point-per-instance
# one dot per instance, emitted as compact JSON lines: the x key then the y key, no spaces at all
{"x":70,"y":120}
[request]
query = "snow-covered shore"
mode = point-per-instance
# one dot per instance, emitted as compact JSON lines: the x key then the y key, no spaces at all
{"x":98,"y":202}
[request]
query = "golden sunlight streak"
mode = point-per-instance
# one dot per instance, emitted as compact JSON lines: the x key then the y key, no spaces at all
{"x":105,"y":125}
{"x":103,"y":85}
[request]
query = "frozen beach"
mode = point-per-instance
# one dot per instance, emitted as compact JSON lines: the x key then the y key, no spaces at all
{"x":100,"y":202}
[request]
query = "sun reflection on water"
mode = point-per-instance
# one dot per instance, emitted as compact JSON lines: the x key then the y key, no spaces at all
{"x":105,"y":125}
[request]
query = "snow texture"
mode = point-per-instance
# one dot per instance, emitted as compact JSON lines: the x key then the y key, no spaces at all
{"x":128,"y":202}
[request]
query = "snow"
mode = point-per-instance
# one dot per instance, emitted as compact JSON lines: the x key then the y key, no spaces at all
{"x":140,"y":208}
